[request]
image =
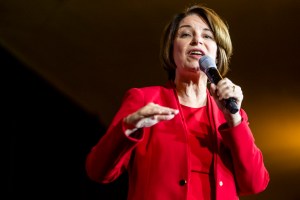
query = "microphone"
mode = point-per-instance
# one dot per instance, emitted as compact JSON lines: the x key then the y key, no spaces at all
{"x":208,"y":66}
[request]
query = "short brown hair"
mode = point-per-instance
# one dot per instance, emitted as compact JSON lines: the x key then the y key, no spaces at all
{"x":216,"y":24}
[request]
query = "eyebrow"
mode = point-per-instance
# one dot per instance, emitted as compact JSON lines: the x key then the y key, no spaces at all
{"x":189,"y":26}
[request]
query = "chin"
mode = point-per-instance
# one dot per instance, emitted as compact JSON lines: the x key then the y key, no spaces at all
{"x":196,"y":69}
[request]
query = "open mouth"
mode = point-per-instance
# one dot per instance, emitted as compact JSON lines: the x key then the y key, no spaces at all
{"x":196,"y":52}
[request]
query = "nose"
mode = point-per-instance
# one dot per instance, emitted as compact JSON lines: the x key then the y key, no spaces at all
{"x":197,"y":40}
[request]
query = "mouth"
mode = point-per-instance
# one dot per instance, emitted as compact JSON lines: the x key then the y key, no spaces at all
{"x":196,"y":52}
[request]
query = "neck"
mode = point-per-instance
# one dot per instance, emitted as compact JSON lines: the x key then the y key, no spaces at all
{"x":192,"y":94}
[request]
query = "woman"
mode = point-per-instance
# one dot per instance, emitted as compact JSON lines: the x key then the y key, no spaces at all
{"x":178,"y":141}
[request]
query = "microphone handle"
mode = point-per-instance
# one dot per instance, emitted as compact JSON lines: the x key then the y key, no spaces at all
{"x":231,"y":105}
{"x":214,"y":77}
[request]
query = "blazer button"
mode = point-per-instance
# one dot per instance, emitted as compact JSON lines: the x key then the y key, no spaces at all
{"x":182,"y":182}
{"x":221,"y":183}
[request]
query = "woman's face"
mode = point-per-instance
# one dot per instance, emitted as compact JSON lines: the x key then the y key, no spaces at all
{"x":193,"y":40}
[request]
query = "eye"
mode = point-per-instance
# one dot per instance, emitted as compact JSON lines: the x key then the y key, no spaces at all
{"x":185,"y":34}
{"x":208,"y":36}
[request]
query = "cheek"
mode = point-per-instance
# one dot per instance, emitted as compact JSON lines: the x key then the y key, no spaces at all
{"x":177,"y":53}
{"x":177,"y":49}
{"x":213,"y":49}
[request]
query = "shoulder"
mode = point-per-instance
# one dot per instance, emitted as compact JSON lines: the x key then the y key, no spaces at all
{"x":151,"y":93}
{"x":150,"y":89}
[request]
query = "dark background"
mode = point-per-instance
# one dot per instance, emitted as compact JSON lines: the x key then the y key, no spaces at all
{"x":66,"y":65}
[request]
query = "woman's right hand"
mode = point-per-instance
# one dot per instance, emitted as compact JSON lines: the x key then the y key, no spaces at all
{"x":148,"y":116}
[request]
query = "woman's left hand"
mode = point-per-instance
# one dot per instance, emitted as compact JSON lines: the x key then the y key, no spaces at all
{"x":224,"y":90}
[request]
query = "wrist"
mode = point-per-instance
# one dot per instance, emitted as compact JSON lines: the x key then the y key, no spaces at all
{"x":128,"y":127}
{"x":233,"y":120}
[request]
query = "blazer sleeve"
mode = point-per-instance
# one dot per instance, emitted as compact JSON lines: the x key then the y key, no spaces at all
{"x":249,"y":169}
{"x":110,"y":156}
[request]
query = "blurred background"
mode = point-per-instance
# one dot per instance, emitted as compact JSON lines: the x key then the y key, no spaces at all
{"x":66,"y":65}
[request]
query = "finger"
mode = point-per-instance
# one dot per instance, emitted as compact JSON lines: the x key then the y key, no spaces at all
{"x":167,"y":110}
{"x":164,"y":117}
{"x":152,"y":109}
{"x":150,"y":121}
{"x":226,"y":90}
{"x":213,"y":90}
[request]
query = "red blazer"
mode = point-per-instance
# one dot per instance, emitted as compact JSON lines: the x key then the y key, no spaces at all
{"x":158,"y":161}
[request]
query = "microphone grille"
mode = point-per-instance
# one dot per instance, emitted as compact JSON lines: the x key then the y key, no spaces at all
{"x":206,"y":62}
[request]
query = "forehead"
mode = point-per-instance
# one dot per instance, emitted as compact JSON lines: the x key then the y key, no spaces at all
{"x":194,"y":21}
